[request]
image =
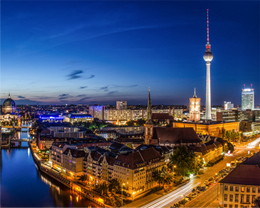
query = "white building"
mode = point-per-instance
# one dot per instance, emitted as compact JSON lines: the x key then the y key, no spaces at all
{"x":228,"y":105}
{"x":248,"y":99}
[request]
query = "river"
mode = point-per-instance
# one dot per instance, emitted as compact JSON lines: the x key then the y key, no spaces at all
{"x":22,"y":185}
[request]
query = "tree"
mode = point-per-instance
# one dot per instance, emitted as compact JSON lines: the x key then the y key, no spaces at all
{"x":114,"y":186}
{"x":162,"y":176}
{"x":103,"y":187}
{"x":140,"y":122}
{"x":186,"y":161}
{"x":83,"y":178}
{"x":230,"y":147}
{"x":257,"y":202}
{"x":130,"y":123}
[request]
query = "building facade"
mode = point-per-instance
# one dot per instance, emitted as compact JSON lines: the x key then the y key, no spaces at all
{"x":194,"y":108}
{"x":121,"y":105}
{"x":248,"y":99}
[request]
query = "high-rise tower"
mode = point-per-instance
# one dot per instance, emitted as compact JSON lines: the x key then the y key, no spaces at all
{"x":248,"y":99}
{"x":208,"y":56}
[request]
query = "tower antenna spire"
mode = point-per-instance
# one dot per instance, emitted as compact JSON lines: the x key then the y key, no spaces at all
{"x":207,"y":26}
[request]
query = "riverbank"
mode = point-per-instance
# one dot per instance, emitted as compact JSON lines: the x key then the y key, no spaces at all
{"x":75,"y":186}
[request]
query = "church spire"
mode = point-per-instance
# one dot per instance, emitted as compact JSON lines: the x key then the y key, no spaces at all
{"x":194,"y":93}
{"x":149,"y":109}
{"x":9,"y":96}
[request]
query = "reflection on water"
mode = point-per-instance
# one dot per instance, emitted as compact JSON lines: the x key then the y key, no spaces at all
{"x":22,"y":185}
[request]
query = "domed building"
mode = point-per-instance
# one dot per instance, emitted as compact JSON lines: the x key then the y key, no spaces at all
{"x":9,"y":112}
{"x":8,"y":106}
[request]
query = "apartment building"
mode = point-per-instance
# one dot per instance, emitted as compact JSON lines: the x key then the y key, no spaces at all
{"x":242,"y":186}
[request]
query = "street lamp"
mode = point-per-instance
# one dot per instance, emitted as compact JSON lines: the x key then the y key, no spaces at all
{"x":122,"y":193}
{"x":133,"y":195}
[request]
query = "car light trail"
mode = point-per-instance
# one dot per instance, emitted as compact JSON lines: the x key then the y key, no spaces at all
{"x":171,"y":196}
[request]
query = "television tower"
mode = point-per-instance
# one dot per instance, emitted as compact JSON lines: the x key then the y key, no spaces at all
{"x":208,"y":56}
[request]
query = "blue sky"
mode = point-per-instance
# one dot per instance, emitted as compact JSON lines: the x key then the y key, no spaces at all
{"x":98,"y":52}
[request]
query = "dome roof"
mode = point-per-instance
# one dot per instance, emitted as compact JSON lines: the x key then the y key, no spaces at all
{"x":9,"y":103}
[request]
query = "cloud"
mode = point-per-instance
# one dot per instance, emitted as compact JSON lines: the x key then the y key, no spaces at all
{"x":91,"y":76}
{"x":112,"y":92}
{"x":81,"y":95}
{"x":108,"y":87}
{"x":104,"y":88}
{"x":64,"y":96}
{"x":20,"y":96}
{"x":83,"y":87}
{"x":83,"y":99}
{"x":75,"y":74}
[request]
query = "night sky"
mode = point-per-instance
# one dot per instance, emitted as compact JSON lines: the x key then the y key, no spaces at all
{"x":89,"y":52}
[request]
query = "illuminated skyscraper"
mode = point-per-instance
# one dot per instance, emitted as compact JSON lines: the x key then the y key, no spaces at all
{"x":248,"y":99}
{"x":208,"y":56}
{"x":194,"y":108}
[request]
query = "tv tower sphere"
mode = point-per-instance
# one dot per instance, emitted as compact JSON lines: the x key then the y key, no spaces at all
{"x":208,"y":56}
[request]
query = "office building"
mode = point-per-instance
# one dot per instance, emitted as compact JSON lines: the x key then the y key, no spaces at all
{"x":248,"y":99}
{"x":228,"y":105}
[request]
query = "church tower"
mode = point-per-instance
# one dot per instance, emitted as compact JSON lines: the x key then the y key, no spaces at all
{"x":149,"y":123}
{"x":194,"y":108}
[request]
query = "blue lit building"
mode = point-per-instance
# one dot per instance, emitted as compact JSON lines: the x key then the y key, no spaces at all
{"x":51,"y":118}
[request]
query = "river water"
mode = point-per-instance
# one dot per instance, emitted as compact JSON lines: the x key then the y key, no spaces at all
{"x":22,"y":185}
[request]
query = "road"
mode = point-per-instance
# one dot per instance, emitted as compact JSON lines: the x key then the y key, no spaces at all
{"x":176,"y":195}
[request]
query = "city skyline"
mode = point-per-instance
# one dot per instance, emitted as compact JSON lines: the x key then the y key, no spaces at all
{"x":100,"y":52}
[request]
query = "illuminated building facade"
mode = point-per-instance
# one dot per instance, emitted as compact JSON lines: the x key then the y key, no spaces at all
{"x":248,"y":99}
{"x":241,"y":187}
{"x":97,"y":111}
{"x":228,"y":105}
{"x":215,"y":128}
{"x":194,"y":108}
{"x":120,"y":105}
{"x":51,"y":118}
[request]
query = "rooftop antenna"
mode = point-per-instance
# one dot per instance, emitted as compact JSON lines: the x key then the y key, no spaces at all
{"x":207,"y":26}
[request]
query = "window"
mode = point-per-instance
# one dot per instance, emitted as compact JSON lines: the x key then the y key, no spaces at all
{"x":225,"y":205}
{"x":242,"y":188}
{"x":247,"y":198}
{"x":225,"y":197}
{"x":225,"y":187}
{"x":236,"y":205}
{"x":231,"y":198}
{"x":253,"y":199}
{"x":236,"y":198}
{"x":253,"y":189}
{"x":248,"y":189}
{"x":258,"y":190}
{"x":242,"y":198}
{"x":230,"y":206}
{"x":231,"y":188}
{"x":237,"y":189}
